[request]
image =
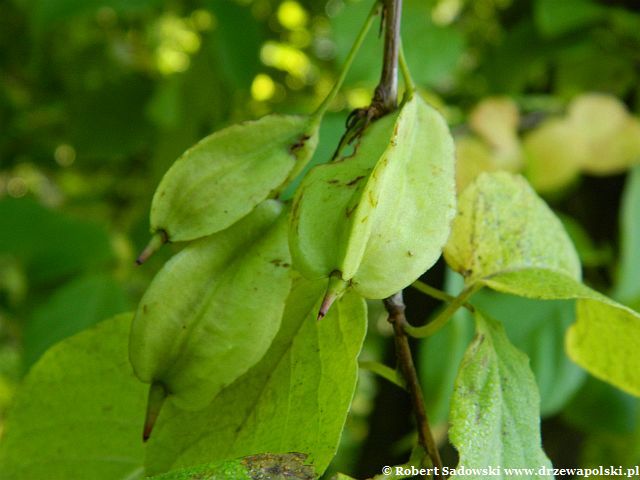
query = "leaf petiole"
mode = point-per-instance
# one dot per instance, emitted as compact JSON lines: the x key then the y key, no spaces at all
{"x":320,"y":111}
{"x":406,"y":74}
{"x":385,"y":372}
{"x":432,"y":291}
{"x":444,"y":316}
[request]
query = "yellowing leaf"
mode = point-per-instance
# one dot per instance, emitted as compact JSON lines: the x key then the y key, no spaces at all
{"x":554,"y":152}
{"x":496,"y":120}
{"x":612,"y":136}
{"x":506,"y":238}
{"x":473,"y":157}
{"x":495,"y":409}
{"x":597,"y":116}
{"x":616,"y":153}
{"x":503,"y":225}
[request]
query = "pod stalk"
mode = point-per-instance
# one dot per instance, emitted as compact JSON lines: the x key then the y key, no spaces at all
{"x":158,"y":239}
{"x":157,"y":396}
{"x":375,"y":10}
{"x":335,"y":290}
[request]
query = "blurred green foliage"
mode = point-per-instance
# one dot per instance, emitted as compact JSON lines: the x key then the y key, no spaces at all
{"x":99,"y":97}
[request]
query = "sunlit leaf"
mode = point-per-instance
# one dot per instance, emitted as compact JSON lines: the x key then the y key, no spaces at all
{"x":77,"y":414}
{"x":295,"y":399}
{"x":503,"y":225}
{"x":495,"y":406}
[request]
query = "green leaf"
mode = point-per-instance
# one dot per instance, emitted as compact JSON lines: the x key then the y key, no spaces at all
{"x":116,"y":114}
{"x":289,"y":466}
{"x":51,"y":244}
{"x":495,"y":418}
{"x":605,"y":340}
{"x":212,"y":311}
{"x":627,"y":287}
{"x":503,"y":225}
{"x":237,"y":40}
{"x":45,"y":12}
{"x":77,"y":305}
{"x":555,"y":18}
{"x":537,"y":329}
{"x":77,"y":414}
{"x":295,"y":399}
{"x":600,"y":408}
{"x":443,"y":45}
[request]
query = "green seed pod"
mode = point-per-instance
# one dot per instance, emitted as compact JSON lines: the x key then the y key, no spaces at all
{"x":224,"y":176}
{"x":212,"y":311}
{"x":377,"y":219}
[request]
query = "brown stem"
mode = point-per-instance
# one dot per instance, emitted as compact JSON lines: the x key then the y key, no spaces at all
{"x":386,"y":94}
{"x":395,"y":307}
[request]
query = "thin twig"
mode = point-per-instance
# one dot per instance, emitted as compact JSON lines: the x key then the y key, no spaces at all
{"x":395,"y":307}
{"x":386,"y":95}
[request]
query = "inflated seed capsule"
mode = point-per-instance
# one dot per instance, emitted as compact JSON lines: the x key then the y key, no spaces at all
{"x":212,"y":311}
{"x":224,"y":176}
{"x":377,"y":218}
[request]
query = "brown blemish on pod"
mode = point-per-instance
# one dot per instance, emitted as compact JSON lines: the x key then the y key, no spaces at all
{"x":354,"y":181}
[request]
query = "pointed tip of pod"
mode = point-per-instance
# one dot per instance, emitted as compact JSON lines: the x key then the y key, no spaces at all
{"x":335,"y":290}
{"x":157,"y":396}
{"x":158,"y":239}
